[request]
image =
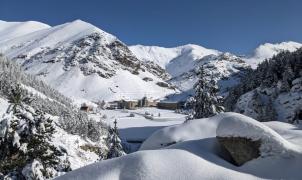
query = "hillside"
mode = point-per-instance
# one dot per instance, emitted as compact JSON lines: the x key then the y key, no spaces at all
{"x":182,"y":63}
{"x":86,"y":63}
{"x":177,"y":60}
{"x":43,"y":129}
{"x":272,"y":91}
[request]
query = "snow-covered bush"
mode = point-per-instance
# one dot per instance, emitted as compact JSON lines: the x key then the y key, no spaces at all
{"x":71,"y":119}
{"x":25,"y":148}
{"x":77,"y":122}
{"x":36,"y":116}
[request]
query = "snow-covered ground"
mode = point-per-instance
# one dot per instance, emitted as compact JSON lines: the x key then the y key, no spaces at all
{"x":191,"y":151}
{"x":3,"y":106}
{"x":139,"y":128}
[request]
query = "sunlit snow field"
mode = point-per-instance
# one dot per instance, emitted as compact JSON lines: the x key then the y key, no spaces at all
{"x":139,"y":128}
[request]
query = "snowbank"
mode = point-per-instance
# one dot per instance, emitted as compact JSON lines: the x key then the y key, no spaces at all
{"x":237,"y":125}
{"x":192,"y":130}
{"x":168,"y":164}
{"x":192,"y":152}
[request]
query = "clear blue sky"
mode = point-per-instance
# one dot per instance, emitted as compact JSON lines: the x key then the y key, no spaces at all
{"x":237,"y":26}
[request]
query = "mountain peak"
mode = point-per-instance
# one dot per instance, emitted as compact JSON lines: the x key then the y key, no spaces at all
{"x":9,"y":30}
{"x":268,"y":50}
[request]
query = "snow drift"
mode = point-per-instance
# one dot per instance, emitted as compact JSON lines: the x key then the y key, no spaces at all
{"x":191,"y":151}
{"x":158,"y":164}
{"x":271,"y":142}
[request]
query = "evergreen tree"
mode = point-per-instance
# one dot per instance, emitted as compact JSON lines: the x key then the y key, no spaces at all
{"x":114,"y":143}
{"x":276,"y":75}
{"x":207,"y":102}
{"x":25,"y":138}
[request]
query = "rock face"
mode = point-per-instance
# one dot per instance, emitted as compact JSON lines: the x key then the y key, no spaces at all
{"x":240,"y":149}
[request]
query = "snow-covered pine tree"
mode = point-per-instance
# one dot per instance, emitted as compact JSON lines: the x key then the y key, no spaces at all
{"x":207,"y":103}
{"x":287,"y":77}
{"x":25,"y":151}
{"x":114,"y":143}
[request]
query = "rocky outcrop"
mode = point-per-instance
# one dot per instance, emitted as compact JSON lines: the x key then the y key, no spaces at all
{"x":245,"y":139}
{"x":240,"y":149}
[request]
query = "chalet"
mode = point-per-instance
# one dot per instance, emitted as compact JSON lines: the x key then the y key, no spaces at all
{"x":132,"y":104}
{"x":128,"y":104}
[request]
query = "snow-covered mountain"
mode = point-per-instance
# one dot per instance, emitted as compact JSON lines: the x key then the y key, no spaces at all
{"x":227,"y":69}
{"x":84,"y":62}
{"x":268,"y":50}
{"x":37,"y":123}
{"x":9,"y":30}
{"x":182,"y":64}
{"x":177,"y":60}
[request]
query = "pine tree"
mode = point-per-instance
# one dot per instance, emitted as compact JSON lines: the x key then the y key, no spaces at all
{"x":287,"y":77}
{"x":114,"y":143}
{"x":207,"y":102}
{"x":26,"y":137}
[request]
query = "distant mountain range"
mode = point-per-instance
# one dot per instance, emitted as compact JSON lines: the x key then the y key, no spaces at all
{"x":86,"y":63}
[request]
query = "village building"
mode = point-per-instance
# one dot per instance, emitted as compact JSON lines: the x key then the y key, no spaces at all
{"x":86,"y":108}
{"x":145,"y":102}
{"x":128,"y":104}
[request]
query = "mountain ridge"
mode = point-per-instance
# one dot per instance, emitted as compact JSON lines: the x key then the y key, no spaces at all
{"x":86,"y":63}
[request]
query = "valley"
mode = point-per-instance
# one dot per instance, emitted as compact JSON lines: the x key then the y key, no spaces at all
{"x":77,"y":102}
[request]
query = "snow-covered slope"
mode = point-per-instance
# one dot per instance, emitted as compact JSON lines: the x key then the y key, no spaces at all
{"x":177,"y":60}
{"x":227,"y":69}
{"x":160,"y":55}
{"x":9,"y":30}
{"x":84,"y":62}
{"x":169,"y":164}
{"x":191,"y":151}
{"x":268,"y":50}
{"x":182,"y":64}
